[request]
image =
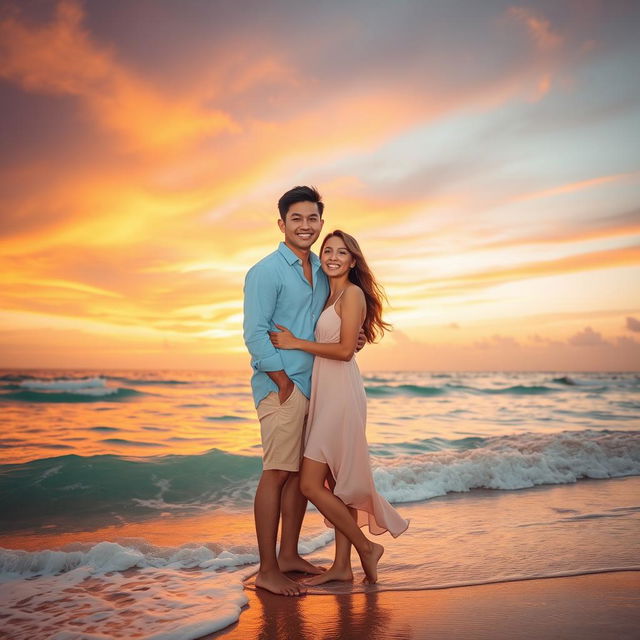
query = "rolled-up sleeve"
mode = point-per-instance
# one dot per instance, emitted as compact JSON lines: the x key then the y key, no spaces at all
{"x":260,"y":297}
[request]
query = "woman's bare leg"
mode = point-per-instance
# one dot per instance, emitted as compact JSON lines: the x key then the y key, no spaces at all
{"x":312,"y":486}
{"x":341,"y":567}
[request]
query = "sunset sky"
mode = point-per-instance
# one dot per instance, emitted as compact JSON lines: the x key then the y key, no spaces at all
{"x":485,"y":154}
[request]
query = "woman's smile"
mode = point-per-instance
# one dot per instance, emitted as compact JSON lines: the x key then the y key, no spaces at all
{"x":336,"y":259}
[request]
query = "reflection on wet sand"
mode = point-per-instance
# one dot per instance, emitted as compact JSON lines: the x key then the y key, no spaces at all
{"x":589,"y":607}
{"x":313,"y":617}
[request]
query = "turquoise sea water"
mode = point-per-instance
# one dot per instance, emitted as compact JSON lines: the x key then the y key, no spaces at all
{"x":142,"y":483}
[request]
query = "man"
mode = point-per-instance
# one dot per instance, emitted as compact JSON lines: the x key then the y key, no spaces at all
{"x":288,"y":288}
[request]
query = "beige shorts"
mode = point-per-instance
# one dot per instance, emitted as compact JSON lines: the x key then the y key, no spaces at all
{"x":282,"y":430}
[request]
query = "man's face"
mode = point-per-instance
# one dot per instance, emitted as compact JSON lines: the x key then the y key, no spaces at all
{"x":302,"y":225}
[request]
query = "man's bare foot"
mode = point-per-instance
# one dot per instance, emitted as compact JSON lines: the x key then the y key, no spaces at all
{"x":343,"y":574}
{"x":279,"y":584}
{"x":296,"y":563}
{"x":369,"y":561}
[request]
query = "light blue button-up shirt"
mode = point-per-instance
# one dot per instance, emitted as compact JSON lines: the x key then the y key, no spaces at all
{"x":276,"y":291}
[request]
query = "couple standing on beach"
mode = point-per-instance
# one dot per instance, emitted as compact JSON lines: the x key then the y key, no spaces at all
{"x":304,"y":318}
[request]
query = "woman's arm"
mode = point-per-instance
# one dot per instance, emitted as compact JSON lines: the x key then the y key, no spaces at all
{"x":352,"y":312}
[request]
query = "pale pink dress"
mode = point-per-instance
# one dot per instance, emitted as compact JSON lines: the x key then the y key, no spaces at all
{"x":336,"y":433}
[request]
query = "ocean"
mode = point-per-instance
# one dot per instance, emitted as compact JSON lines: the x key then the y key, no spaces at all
{"x":126,"y":496}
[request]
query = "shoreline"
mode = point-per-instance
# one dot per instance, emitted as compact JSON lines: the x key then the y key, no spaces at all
{"x":594,"y":606}
{"x":352,"y":588}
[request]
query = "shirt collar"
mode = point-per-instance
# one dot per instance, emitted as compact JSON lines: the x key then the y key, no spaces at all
{"x":292,"y":258}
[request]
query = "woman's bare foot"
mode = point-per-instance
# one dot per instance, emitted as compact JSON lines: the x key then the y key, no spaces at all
{"x":369,"y":561}
{"x":296,"y":563}
{"x":343,"y":574}
{"x":279,"y":584}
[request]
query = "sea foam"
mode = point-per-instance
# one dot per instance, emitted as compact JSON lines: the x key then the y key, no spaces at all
{"x":45,"y":390}
{"x":65,"y":384}
{"x":149,"y":603}
{"x":177,"y":593}
{"x":509,"y":463}
{"x":136,"y":553}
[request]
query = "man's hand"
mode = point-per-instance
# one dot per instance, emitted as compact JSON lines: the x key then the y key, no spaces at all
{"x":361,"y":341}
{"x":285,"y":391}
{"x":284,"y":383}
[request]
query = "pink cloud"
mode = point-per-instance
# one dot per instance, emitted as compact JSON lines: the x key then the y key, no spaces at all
{"x":539,"y":28}
{"x":587,"y":338}
{"x":633,"y":324}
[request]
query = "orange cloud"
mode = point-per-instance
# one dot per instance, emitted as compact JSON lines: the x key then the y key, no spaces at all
{"x":547,"y":41}
{"x":471,"y":281}
{"x":61,"y":58}
{"x":538,"y":27}
{"x":607,"y":259}
{"x":626,"y":225}
{"x":578,"y":186}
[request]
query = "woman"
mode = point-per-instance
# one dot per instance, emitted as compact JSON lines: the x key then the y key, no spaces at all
{"x":336,"y":449}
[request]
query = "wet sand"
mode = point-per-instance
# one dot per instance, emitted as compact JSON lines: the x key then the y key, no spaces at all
{"x":591,"y":607}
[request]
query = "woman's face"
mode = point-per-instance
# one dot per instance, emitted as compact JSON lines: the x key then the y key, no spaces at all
{"x":335,"y":258}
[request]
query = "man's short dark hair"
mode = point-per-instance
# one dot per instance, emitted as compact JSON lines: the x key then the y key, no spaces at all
{"x":299,"y":194}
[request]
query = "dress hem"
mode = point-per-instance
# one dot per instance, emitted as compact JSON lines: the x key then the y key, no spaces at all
{"x":316,"y":460}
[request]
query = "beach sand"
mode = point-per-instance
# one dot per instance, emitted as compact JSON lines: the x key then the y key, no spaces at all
{"x":596,"y":606}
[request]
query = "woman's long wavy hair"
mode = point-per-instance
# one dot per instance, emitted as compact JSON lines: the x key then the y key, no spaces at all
{"x":374,"y":326}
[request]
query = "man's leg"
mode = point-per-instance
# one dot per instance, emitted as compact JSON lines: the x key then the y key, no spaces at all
{"x":293,"y":506}
{"x":287,"y":449}
{"x":266,"y":508}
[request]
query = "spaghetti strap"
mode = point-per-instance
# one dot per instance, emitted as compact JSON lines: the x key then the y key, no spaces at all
{"x":339,"y":296}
